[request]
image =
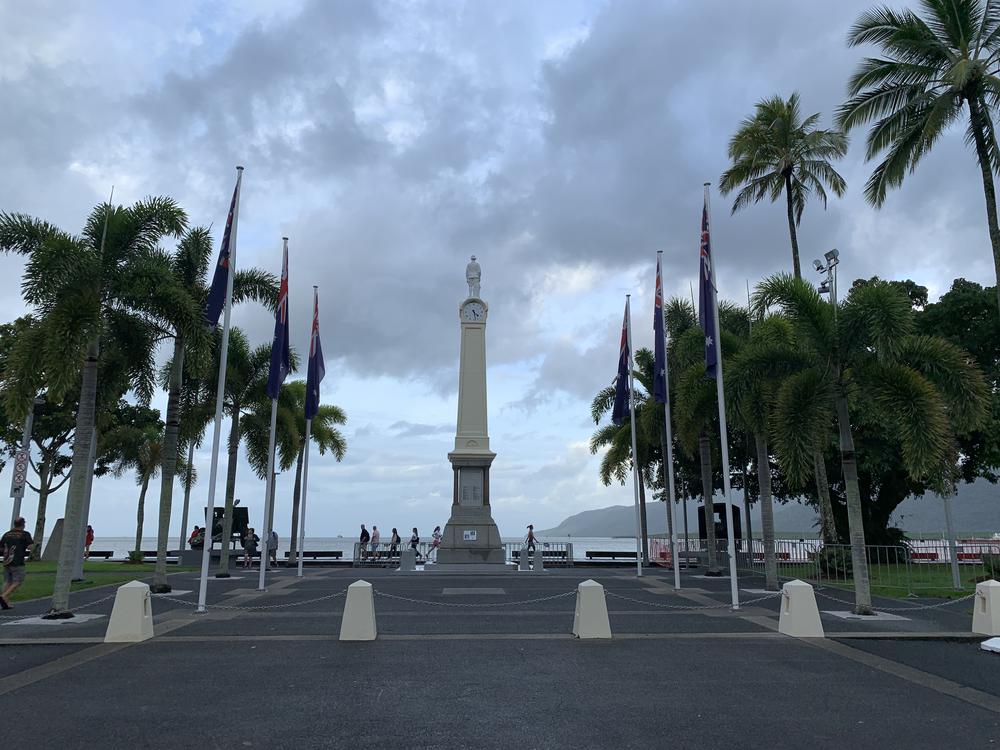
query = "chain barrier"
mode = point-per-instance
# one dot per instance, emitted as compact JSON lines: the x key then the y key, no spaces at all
{"x":73,"y":610}
{"x":283,"y":605}
{"x":690,"y":606}
{"x":468,"y":605}
{"x":909,"y":608}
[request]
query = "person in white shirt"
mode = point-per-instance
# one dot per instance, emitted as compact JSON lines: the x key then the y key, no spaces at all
{"x":375,"y":538}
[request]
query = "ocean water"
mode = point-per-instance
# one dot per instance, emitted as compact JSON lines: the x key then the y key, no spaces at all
{"x":122,"y":545}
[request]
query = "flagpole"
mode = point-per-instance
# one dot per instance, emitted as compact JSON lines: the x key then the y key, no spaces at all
{"x":267,"y":497}
{"x":220,"y":395}
{"x":635,"y":454}
{"x":305,"y":457}
{"x":670,"y":437}
{"x":723,"y":437}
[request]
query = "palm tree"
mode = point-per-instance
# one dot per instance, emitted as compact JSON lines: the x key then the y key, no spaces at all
{"x":932,"y":67}
{"x":324,"y":433}
{"x":190,"y":264}
{"x":866,"y":352}
{"x":616,"y":464}
{"x":97,"y":297}
{"x":775,"y":151}
{"x":143,"y":454}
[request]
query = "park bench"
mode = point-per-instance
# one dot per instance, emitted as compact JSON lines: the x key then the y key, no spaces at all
{"x":598,"y":554}
{"x":150,"y":554}
{"x":106,"y":554}
{"x":334,"y":554}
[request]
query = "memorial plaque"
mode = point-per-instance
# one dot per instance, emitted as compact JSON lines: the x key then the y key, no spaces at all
{"x":470,"y":486}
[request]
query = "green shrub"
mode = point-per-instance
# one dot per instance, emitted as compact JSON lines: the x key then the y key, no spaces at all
{"x":835,"y":562}
{"x":135,"y":556}
{"x":992,"y":565}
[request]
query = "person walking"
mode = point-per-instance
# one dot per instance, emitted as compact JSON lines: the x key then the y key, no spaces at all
{"x":375,"y":538}
{"x":363,"y":542}
{"x":88,"y":541}
{"x":272,"y":547}
{"x":197,"y":538}
{"x":14,"y":545}
{"x":250,"y":541}
{"x":394,"y":541}
{"x":415,"y":542}
{"x":435,"y":541}
{"x":529,"y":540}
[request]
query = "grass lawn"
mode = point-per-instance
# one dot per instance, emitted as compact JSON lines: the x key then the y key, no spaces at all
{"x":42,"y":576}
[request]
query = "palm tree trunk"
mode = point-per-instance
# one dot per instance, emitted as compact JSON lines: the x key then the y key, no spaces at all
{"x":227,"y":519}
{"x":766,"y":513}
{"x":827,"y":528}
{"x":43,"y":500}
{"x":859,"y":559}
{"x":187,"y":496}
{"x":293,"y":560}
{"x":796,"y":268}
{"x":169,"y":464}
{"x":76,"y":496}
{"x":707,"y":493}
{"x":642,"y":521}
{"x":978,"y":127}
{"x":140,"y":514}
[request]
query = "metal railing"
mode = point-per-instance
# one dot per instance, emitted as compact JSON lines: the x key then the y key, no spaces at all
{"x":554,"y":554}
{"x":382,"y":556}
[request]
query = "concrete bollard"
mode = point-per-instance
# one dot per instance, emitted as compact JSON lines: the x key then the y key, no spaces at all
{"x":408,"y":560}
{"x":799,"y":613}
{"x":358,"y":622}
{"x":539,"y":564}
{"x":522,"y":560}
{"x":132,"y":616}
{"x":590,"y":620}
{"x":986,"y":609}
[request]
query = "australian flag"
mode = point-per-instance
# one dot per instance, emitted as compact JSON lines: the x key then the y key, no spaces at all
{"x":317,"y":368}
{"x":659,"y":353}
{"x":220,"y":280}
{"x":622,"y":379}
{"x":280,"y":364}
{"x":706,"y":299}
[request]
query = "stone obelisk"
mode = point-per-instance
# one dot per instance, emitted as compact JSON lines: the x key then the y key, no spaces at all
{"x":471,"y":540}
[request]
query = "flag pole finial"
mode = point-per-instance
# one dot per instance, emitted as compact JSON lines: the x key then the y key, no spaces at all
{"x":239,"y":167}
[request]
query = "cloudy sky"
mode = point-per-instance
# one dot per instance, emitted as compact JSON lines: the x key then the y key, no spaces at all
{"x":562,"y":143}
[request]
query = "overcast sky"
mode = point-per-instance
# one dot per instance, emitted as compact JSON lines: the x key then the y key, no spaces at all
{"x":563,"y":143}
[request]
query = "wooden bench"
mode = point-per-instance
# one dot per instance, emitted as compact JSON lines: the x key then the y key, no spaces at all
{"x":598,"y":554}
{"x":106,"y":554}
{"x":333,"y":554}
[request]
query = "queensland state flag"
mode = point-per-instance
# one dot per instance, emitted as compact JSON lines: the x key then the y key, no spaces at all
{"x":659,"y":352}
{"x":706,"y":298}
{"x":317,"y":368}
{"x":280,"y":364}
{"x":622,"y":379}
{"x":220,"y":280}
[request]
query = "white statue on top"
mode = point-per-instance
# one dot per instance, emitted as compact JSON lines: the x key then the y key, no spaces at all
{"x":472,"y":275}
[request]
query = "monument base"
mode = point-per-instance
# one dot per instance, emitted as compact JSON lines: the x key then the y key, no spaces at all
{"x":470,"y":538}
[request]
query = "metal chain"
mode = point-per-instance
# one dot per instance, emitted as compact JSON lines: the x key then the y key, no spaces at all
{"x":468,"y":605}
{"x":74,"y":609}
{"x":689,"y":606}
{"x":910,"y":608}
{"x":260,"y":607}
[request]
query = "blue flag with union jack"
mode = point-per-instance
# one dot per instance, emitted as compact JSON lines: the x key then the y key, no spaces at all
{"x":316,"y":370}
{"x":280,"y":356}
{"x":622,"y":379}
{"x":659,"y":353}
{"x":220,"y":280}
{"x":706,"y":299}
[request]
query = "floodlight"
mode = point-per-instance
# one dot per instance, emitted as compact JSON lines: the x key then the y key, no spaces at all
{"x":832,"y":256}
{"x":818,"y":265}
{"x":824,"y":287}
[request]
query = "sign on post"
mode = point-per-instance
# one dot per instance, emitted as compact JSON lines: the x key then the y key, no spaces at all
{"x":20,"y":477}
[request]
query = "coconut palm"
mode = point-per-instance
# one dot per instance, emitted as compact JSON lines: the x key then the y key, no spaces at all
{"x":143,"y":455}
{"x":190,"y":265}
{"x":326,"y":436}
{"x":936,"y":68}
{"x":925,"y":390}
{"x":98,"y":298}
{"x":776,"y":151}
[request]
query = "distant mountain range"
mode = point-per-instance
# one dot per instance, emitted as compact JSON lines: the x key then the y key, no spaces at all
{"x":976,"y":508}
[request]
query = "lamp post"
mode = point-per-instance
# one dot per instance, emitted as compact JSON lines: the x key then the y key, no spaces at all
{"x":21,"y":462}
{"x":829,"y":284}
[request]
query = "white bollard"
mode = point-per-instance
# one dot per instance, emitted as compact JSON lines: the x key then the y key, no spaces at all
{"x":539,"y":565}
{"x":358,"y":623}
{"x":799,"y":613}
{"x":522,"y":560}
{"x":132,"y":616}
{"x":986,"y":609}
{"x":408,"y":560}
{"x":590,"y":620}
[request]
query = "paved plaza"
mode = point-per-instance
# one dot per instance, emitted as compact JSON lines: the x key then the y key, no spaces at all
{"x":267,"y":669}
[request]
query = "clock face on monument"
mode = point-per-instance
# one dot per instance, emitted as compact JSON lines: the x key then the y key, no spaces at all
{"x":473,"y":312}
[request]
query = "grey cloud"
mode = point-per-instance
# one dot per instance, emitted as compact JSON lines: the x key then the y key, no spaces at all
{"x":404,"y":429}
